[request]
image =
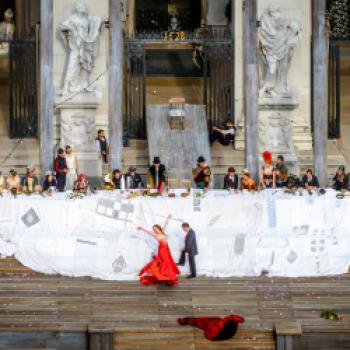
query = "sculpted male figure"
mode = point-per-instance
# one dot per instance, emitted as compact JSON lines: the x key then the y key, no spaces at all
{"x":79,"y":33}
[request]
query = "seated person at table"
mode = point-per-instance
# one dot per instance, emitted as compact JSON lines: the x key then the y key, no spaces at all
{"x":309,"y":180}
{"x":231,"y":180}
{"x":13,"y":181}
{"x":30,"y":181}
{"x":118,"y":180}
{"x":158,"y":176}
{"x":224,"y":136}
{"x":247,"y":183}
{"x":133,"y":180}
{"x":49,"y":182}
{"x":201,"y":174}
{"x":341,"y":180}
{"x":81,"y":184}
{"x":281,"y":172}
{"x":2,"y":182}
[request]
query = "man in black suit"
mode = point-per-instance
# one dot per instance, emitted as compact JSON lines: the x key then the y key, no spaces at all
{"x":190,"y":249}
{"x":231,"y":179}
{"x":310,"y":181}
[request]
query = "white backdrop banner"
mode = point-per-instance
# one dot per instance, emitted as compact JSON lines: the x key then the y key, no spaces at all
{"x":237,"y":234}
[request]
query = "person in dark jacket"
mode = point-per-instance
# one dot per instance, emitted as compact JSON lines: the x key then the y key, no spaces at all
{"x":341,"y":180}
{"x":49,"y":182}
{"x":231,"y":180}
{"x":190,"y":249}
{"x":310,"y":181}
{"x":133,"y":180}
{"x":158,"y":175}
{"x":61,"y":169}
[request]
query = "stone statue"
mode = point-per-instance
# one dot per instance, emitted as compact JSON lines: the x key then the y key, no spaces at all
{"x":79,"y":33}
{"x":7,"y":27}
{"x":277,"y":39}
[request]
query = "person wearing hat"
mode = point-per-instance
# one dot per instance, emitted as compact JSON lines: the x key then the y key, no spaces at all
{"x":13,"y":181}
{"x":231,"y":179}
{"x":340,"y":181}
{"x":61,"y":169}
{"x":158,"y":177}
{"x":30,"y":181}
{"x":49,"y":182}
{"x":7,"y":27}
{"x":133,"y":180}
{"x":201,"y":174}
{"x":247,"y":183}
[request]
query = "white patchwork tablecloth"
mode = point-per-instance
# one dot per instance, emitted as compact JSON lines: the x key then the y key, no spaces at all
{"x":237,"y":234}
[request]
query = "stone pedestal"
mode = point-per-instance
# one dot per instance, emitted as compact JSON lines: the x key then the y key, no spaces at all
{"x":78,"y":130}
{"x":276,"y":136}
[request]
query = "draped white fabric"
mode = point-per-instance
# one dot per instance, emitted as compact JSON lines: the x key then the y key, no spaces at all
{"x":237,"y":234}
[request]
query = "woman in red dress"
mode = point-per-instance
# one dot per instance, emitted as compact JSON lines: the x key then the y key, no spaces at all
{"x":162,"y":268}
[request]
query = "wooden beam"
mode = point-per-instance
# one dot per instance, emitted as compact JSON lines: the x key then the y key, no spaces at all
{"x":319,"y":86}
{"x":251,"y":86}
{"x":115,"y":113}
{"x":46,"y":86}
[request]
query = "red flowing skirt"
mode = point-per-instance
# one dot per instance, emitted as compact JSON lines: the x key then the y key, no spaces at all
{"x":215,"y":328}
{"x":162,"y":268}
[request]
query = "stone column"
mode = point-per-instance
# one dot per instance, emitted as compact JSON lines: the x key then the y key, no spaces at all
{"x":115,"y":114}
{"x":320,"y":84}
{"x":46,"y":86}
{"x":251,"y":86}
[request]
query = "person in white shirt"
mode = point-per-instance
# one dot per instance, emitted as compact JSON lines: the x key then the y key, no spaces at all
{"x":224,"y":136}
{"x":72,"y":165}
{"x":7,"y":27}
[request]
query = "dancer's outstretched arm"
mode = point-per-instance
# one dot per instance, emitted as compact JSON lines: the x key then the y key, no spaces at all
{"x":151,"y":233}
{"x":166,"y":223}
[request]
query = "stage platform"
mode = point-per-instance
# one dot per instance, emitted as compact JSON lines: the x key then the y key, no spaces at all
{"x":240,"y":234}
{"x":55,"y":312}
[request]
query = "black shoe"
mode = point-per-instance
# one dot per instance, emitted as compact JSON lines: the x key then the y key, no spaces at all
{"x":178,"y":264}
{"x":191,"y":276}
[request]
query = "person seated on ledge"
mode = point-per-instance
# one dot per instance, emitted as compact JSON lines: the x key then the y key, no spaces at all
{"x":13,"y":182}
{"x":340,"y":180}
{"x":281,"y":172}
{"x":231,"y":180}
{"x":201,"y":174}
{"x":158,"y":177}
{"x":133,"y":180}
{"x":118,"y":180}
{"x":310,"y":181}
{"x":30,"y":181}
{"x":247,"y":183}
{"x":224,"y":136}
{"x":267,"y":174}
{"x":81,"y":184}
{"x":2,"y":182}
{"x":50,"y":183}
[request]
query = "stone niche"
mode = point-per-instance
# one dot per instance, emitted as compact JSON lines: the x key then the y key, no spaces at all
{"x":77,"y":129}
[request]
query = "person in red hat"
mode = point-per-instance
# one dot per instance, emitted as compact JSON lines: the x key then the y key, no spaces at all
{"x":267,"y":173}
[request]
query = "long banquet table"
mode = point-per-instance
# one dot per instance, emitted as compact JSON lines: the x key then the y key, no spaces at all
{"x":238,"y":234}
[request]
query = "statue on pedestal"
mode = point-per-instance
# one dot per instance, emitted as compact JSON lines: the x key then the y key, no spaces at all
{"x":278,"y":37}
{"x":79,"y":33}
{"x":7,"y":27}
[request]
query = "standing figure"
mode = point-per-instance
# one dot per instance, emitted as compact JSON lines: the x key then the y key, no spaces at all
{"x":133,"y":180}
{"x":201,"y":174}
{"x":7,"y":27}
{"x":60,"y":168}
{"x":341,"y":180}
{"x":191,"y":249}
{"x":72,"y":165}
{"x":267,"y":172}
{"x":102,"y":145}
{"x":79,"y":32}
{"x":158,"y":176}
{"x":231,"y":179}
{"x":162,"y":268}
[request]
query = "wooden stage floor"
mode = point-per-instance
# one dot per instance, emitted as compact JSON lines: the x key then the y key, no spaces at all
{"x":145,"y":317}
